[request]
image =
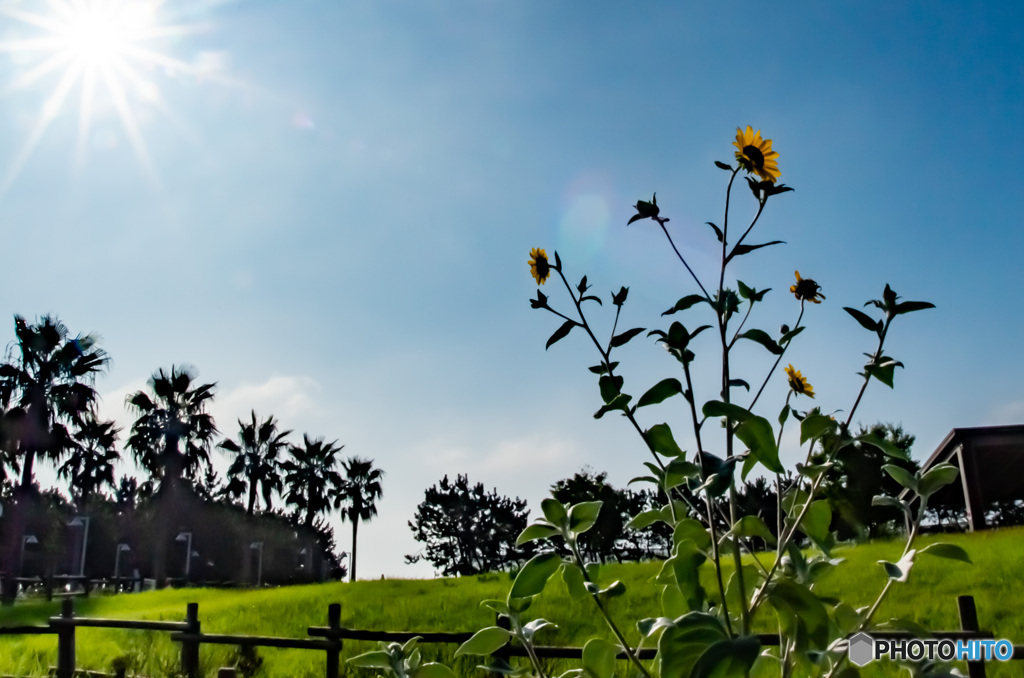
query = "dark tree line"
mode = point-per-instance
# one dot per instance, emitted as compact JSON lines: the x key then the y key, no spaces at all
{"x":49,"y":414}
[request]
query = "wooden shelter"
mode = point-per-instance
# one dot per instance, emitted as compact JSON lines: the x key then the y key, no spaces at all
{"x":991,"y":463}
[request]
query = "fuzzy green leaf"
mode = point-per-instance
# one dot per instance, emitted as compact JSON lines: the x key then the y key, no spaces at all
{"x":533,"y":576}
{"x":485,"y":641}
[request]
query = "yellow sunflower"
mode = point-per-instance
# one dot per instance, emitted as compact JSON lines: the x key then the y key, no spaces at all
{"x":806,"y":289}
{"x":756,"y":155}
{"x":798,"y":382}
{"x":540,"y":269}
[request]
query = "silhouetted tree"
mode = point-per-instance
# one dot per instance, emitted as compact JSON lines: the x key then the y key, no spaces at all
{"x":90,"y":465}
{"x":256,"y":463}
{"x":172,"y":415}
{"x":171,"y":440}
{"x":466,"y":530}
{"x":311,"y":477}
{"x":357,"y":496}
{"x":49,"y":382}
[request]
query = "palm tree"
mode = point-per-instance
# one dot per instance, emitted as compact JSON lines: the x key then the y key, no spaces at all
{"x":175,"y":414}
{"x":90,"y":465}
{"x":50,"y":384}
{"x":311,"y":477}
{"x":256,"y":459}
{"x":360,"y":489}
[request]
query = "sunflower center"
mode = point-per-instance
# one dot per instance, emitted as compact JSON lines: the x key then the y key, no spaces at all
{"x":755,"y":155}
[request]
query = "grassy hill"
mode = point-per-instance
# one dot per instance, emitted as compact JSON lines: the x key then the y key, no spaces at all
{"x":453,"y":605}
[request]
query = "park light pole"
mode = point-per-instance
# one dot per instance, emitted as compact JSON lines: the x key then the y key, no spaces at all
{"x":82,"y":522}
{"x":186,"y":537}
{"x":258,"y":546}
{"x":121,"y":548}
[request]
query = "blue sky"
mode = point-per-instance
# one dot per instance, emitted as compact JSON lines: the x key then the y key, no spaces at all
{"x":338,"y":202}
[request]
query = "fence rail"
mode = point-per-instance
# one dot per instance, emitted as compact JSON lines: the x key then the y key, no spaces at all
{"x":328,"y":639}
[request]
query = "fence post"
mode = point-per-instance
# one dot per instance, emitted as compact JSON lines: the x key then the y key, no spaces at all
{"x":502,"y":621}
{"x":66,"y":641}
{"x":226,"y":672}
{"x":334,"y":622}
{"x":969,"y":622}
{"x":190,"y":648}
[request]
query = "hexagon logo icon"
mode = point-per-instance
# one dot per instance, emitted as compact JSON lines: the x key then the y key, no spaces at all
{"x":861,"y":649}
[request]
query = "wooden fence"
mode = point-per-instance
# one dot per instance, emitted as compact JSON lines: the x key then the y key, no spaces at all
{"x":328,"y":639}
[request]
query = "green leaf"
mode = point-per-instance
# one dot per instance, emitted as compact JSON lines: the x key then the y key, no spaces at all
{"x":716,"y":408}
{"x":817,"y":521}
{"x":561,"y":333}
{"x":498,"y":606}
{"x":800,"y":607}
{"x":433,"y":670}
{"x":718,"y":231}
{"x":659,"y":437}
{"x":741,"y":249}
{"x":620,"y":339}
{"x":788,"y":336}
{"x":883,"y":369}
{"x":753,"y":526}
{"x":644,"y":519}
{"x":602,"y":368}
{"x":554,"y":511}
{"x":531,"y":628}
{"x":866,"y":321}
{"x":682,"y":643}
{"x":377,"y":659}
{"x":685,"y":564}
{"x":936,"y":478}
{"x":756,"y":433}
{"x":883,"y":444}
{"x":685,"y":303}
{"x":610,"y":387}
{"x":902,"y":476}
{"x":816,"y":425}
{"x":582,"y":516}
{"x":485,"y":641}
{"x":761,"y":337}
{"x":599,"y":658}
{"x":911,"y":306}
{"x":783,"y":415}
{"x":619,"y":402}
{"x":882,"y":500}
{"x":944,"y":550}
{"x":721,"y":165}
{"x":666,"y":388}
{"x":736,"y":383}
{"x":901,"y":570}
{"x":678,"y":471}
{"x":728,"y":659}
{"x":575,"y":583}
{"x":537,"y":531}
{"x":533,"y":576}
{"x":689,"y":529}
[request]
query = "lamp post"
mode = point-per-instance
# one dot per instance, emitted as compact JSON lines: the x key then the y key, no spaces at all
{"x":258,"y":546}
{"x":82,"y":522}
{"x":186,"y":537}
{"x":121,"y":548}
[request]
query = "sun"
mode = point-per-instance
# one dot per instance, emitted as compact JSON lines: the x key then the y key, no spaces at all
{"x":107,"y":52}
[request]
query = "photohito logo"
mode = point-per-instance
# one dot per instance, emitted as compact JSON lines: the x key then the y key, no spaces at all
{"x":864,"y":649}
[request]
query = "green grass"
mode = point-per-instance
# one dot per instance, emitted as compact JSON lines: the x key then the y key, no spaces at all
{"x":453,"y":605}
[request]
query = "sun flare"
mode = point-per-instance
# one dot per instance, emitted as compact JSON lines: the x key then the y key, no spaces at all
{"x":108,"y":50}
